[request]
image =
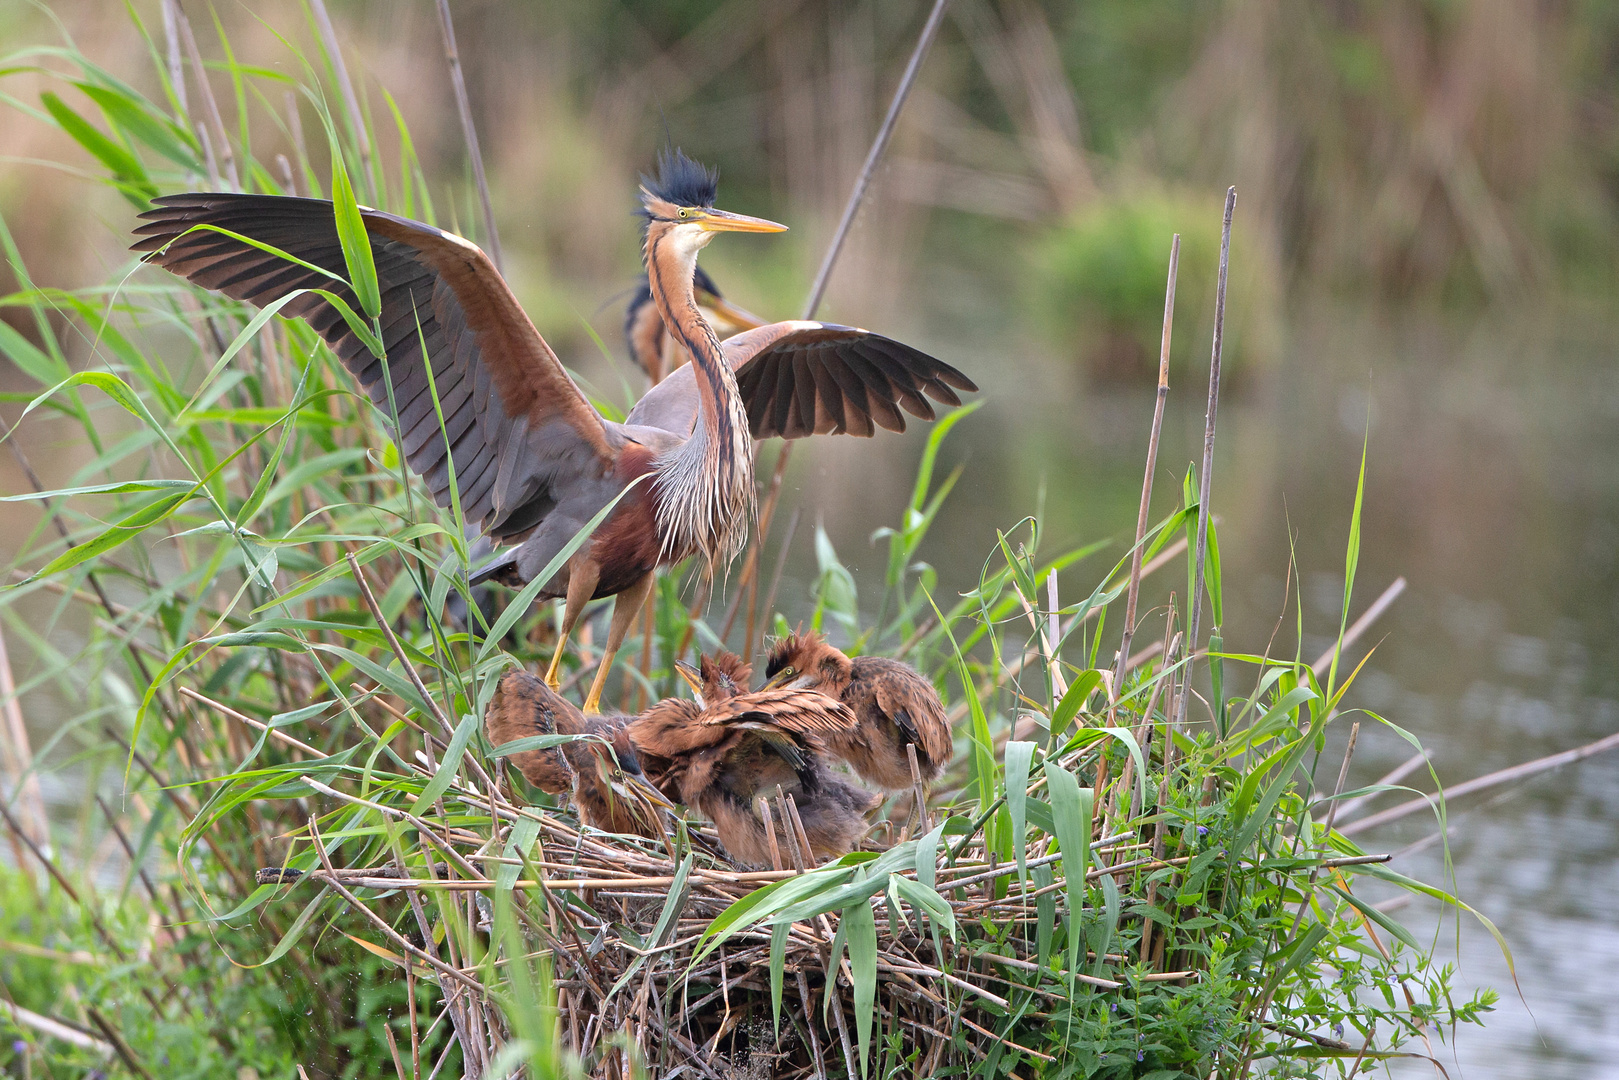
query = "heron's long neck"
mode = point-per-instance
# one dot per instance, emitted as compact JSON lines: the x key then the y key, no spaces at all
{"x":706,"y":484}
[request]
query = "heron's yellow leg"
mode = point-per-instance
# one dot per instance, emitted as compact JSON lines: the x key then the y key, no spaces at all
{"x":625,"y":609}
{"x":582,"y":578}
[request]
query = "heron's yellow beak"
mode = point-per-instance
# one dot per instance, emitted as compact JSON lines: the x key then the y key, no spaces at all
{"x":712,"y":220}
{"x":729,"y":313}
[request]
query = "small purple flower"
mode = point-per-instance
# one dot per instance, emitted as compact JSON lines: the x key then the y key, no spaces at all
{"x":19,"y":1047}
{"x":1141,"y":1055}
{"x":1113,"y":1007}
{"x":1202,"y":830}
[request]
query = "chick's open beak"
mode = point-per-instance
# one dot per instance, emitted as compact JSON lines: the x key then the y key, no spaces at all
{"x":724,"y":221}
{"x":693,"y":677}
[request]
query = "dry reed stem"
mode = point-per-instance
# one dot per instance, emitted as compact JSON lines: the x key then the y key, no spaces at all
{"x":345,"y":86}
{"x":469,"y":131}
{"x":857,"y":195}
{"x":1361,"y":625}
{"x":1195,"y":613}
{"x":1393,"y":776}
{"x":1483,"y":783}
{"x":393,"y":643}
{"x":56,"y":1029}
{"x":175,"y":69}
{"x":1152,"y":464}
{"x":210,"y":103}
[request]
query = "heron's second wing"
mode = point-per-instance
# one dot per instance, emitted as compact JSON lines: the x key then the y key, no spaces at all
{"x":514,"y":423}
{"x":813,"y":378}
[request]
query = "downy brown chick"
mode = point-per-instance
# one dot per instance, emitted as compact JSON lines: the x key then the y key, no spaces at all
{"x":609,"y":790}
{"x":727,"y":751}
{"x":893,"y":705}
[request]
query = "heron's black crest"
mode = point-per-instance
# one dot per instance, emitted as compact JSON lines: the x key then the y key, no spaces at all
{"x":682,"y":181}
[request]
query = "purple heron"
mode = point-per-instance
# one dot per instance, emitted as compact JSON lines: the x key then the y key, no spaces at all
{"x":659,"y":352}
{"x":534,"y":462}
{"x":729,"y":749}
{"x":893,"y":704}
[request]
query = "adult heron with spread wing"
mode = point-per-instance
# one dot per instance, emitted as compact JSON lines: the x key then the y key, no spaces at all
{"x":533,"y":461}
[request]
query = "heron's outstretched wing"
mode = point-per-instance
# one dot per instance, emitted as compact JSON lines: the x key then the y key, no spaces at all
{"x":514,"y":421}
{"x":813,"y":378}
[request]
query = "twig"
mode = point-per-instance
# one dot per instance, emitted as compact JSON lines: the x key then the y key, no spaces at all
{"x":468,"y":130}
{"x":1152,"y":466}
{"x":398,"y":940}
{"x":1502,"y":776}
{"x":275,"y":733}
{"x":1207,"y":477}
{"x":56,"y":1029}
{"x":918,"y":791}
{"x":393,"y":642}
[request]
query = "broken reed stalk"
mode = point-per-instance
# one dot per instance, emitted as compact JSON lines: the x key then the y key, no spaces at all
{"x":1482,"y":783}
{"x":1152,"y":466}
{"x":469,"y":131}
{"x":1405,"y":768}
{"x":812,"y":304}
{"x":1194,"y":616}
{"x":1361,"y":625}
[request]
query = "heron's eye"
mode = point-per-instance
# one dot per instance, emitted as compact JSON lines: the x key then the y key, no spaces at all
{"x":684,"y":212}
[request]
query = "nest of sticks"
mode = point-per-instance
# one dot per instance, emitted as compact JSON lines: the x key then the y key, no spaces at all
{"x":638,"y":978}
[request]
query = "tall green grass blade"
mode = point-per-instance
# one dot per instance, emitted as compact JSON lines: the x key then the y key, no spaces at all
{"x":1071,"y":807}
{"x":1019,"y":756}
{"x":128,"y":176}
{"x":356,"y":242}
{"x":448,"y":766}
{"x":860,"y":930}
